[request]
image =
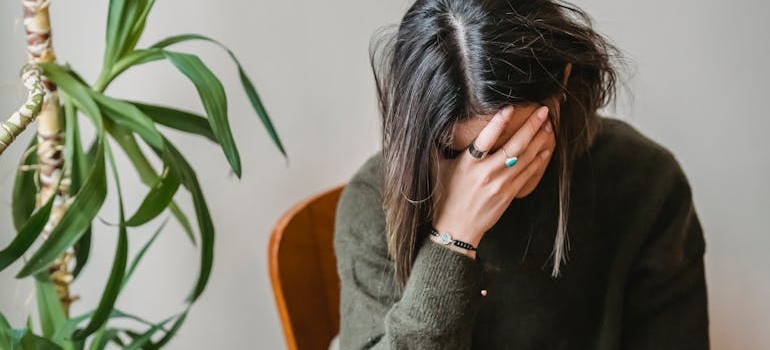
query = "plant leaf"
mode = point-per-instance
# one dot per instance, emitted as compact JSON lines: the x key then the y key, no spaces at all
{"x":27,"y":235}
{"x":131,"y":59}
{"x":212,"y":95}
{"x":171,"y":333}
{"x":4,"y":324}
{"x":24,"y":188}
{"x":125,"y":24}
{"x":52,"y":316}
{"x":124,"y":29}
{"x":138,"y":23}
{"x":259,"y":107}
{"x":78,"y":345}
{"x":140,"y":340}
{"x":119,"y":342}
{"x":127,"y":115}
{"x":176,"y":39}
{"x":78,"y":162}
{"x":74,"y":156}
{"x":103,"y":338}
{"x":82,"y":252}
{"x":7,"y":339}
{"x":157,"y":200}
{"x":75,"y":220}
{"x":121,"y":314}
{"x":68,"y":328}
{"x":89,"y":199}
{"x":181,"y":217}
{"x":114,"y":31}
{"x":178,"y":119}
{"x":146,"y":172}
{"x":248,"y":86}
{"x":78,"y":92}
{"x":114,"y":282}
{"x":205,"y":225}
{"x":32,"y":341}
{"x":140,"y":254}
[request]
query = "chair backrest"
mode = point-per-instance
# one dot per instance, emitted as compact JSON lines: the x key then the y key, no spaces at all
{"x":303,"y":271}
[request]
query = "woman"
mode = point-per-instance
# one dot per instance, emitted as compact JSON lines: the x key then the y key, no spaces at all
{"x":503,"y":212}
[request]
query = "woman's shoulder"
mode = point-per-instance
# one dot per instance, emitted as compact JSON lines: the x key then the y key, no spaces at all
{"x":359,"y":211}
{"x":370,"y":173}
{"x":642,"y":191}
{"x":620,"y":148}
{"x":624,"y":163}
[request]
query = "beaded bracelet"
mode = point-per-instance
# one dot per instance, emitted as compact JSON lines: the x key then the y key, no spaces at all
{"x":446,"y":238}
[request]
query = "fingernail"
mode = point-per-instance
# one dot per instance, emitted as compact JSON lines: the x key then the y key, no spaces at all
{"x":507,"y":111}
{"x":545,"y":154}
{"x":548,"y":127}
{"x":542,"y":113}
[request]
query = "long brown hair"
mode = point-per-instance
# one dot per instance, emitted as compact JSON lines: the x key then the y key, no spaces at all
{"x":452,"y":59}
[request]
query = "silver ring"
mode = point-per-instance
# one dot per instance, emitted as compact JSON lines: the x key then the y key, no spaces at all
{"x":509,"y":161}
{"x":475,"y":153}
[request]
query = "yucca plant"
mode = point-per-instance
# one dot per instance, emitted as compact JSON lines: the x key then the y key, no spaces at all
{"x":62,"y":183}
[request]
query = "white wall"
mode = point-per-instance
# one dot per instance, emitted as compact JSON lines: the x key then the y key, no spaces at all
{"x":699,"y":88}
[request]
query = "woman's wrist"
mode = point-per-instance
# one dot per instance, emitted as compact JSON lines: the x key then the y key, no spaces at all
{"x":460,"y":231}
{"x":452,"y":237}
{"x":467,"y":252}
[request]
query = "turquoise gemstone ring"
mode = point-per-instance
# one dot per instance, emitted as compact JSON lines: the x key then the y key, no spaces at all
{"x":509,"y":161}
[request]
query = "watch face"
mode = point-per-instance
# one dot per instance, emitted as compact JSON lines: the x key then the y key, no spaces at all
{"x":445,"y":238}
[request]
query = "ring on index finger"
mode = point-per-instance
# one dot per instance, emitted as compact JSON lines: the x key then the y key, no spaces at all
{"x":475,"y":152}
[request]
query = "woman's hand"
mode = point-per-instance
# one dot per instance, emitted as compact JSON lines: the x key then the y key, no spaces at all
{"x":474,"y":192}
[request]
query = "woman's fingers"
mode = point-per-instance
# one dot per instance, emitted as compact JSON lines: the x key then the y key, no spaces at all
{"x":492,"y":131}
{"x":542,"y":141}
{"x":482,"y":189}
{"x":521,"y":139}
{"x":539,"y":161}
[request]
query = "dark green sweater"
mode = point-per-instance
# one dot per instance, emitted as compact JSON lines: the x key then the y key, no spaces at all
{"x":634,"y":279}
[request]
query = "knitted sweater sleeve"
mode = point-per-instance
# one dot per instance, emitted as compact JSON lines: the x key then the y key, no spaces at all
{"x":436,"y":309}
{"x":666,"y":304}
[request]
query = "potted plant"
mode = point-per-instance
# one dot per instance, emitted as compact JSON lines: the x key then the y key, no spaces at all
{"x":63,"y":178}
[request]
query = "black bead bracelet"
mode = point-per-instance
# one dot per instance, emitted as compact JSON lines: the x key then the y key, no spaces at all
{"x":446,"y":238}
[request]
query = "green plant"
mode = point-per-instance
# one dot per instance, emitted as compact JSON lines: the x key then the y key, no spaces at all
{"x":61,"y":185}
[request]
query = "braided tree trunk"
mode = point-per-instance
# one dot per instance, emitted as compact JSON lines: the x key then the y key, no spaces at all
{"x":15,"y":125}
{"x":50,"y":143}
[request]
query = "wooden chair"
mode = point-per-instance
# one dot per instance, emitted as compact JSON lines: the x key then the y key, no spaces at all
{"x":303,"y":272}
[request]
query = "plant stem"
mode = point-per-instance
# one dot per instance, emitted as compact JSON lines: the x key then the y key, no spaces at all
{"x":18,"y":122}
{"x":37,"y":26}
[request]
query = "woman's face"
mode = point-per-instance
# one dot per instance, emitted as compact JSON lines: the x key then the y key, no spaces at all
{"x":465,"y":132}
